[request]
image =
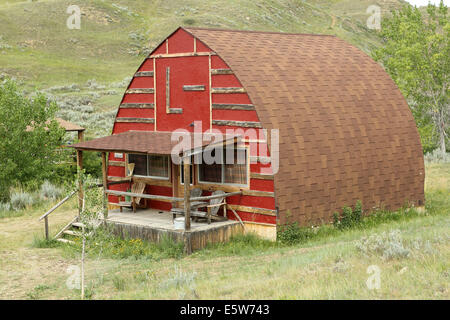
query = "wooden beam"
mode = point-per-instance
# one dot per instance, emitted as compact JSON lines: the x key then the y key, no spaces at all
{"x":199,"y":87}
{"x":136,"y":120}
{"x":105,"y":186}
{"x":167,"y":89}
{"x":175,"y":110}
{"x":217,"y":196}
{"x":228,"y":90}
{"x":144,"y":196}
{"x":229,"y":106}
{"x":254,"y":175}
{"x":243,"y":124}
{"x":221,"y":71}
{"x":56,"y":206}
{"x":80,"y":135}
{"x":267,"y":212}
{"x":187,"y":193}
{"x":155,"y":94}
{"x":261,"y":223}
{"x":236,"y":215}
{"x":261,"y":159}
{"x":255,"y":193}
{"x":137,"y":106}
{"x":80,"y":180}
{"x":179,"y":55}
{"x":46,"y":227}
{"x":144,"y":74}
{"x":141,"y":90}
{"x":116,"y":163}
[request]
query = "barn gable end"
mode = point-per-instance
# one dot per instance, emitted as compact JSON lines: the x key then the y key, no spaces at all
{"x":202,"y":88}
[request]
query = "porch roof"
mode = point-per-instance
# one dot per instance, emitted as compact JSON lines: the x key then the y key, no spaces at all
{"x":151,"y":142}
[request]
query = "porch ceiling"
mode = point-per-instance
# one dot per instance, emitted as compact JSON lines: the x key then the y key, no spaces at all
{"x":151,"y":142}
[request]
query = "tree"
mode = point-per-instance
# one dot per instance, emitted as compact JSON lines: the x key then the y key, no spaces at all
{"x":29,"y":138}
{"x":416,"y":54}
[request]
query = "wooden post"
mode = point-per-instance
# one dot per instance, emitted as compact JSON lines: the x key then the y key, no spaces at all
{"x":80,"y":136}
{"x":80,"y":180}
{"x":187,"y":193}
{"x":46,"y":227}
{"x":105,"y":186}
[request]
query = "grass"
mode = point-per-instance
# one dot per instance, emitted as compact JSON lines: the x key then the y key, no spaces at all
{"x":330,"y":265}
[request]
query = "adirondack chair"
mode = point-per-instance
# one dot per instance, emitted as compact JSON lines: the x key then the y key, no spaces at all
{"x":211,"y":209}
{"x":136,"y":187}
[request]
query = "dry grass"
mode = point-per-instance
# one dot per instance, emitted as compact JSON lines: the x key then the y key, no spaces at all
{"x":328,"y":268}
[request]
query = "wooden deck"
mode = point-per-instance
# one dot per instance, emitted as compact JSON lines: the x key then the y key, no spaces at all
{"x":153,"y":225}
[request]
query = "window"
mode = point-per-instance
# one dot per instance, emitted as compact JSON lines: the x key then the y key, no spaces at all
{"x":154,"y":166}
{"x":226,"y":173}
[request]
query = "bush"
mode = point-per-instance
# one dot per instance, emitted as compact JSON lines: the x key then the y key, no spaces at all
{"x":437,"y":157}
{"x":387,"y":245}
{"x":293,"y":233}
{"x":21,"y":200}
{"x":349,"y":218}
{"x":49,"y":191}
{"x":5,"y":206}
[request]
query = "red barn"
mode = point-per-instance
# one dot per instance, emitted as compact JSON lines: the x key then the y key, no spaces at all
{"x":321,"y":124}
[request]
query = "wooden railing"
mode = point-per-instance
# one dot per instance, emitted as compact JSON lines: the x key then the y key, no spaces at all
{"x":60,"y":203}
{"x":56,"y":206}
{"x":167,"y":198}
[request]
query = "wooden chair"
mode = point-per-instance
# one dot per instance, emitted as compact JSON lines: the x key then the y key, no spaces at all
{"x":211,"y":209}
{"x":136,"y":187}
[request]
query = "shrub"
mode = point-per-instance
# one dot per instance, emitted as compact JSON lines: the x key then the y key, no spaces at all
{"x":349,"y":218}
{"x":293,"y":233}
{"x":20,"y":200}
{"x":387,"y":245}
{"x":49,"y":191}
{"x":437,"y":157}
{"x":5,"y":206}
{"x":180,"y":279}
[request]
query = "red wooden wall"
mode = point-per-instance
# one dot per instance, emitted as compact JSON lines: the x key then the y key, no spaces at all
{"x":144,"y":108}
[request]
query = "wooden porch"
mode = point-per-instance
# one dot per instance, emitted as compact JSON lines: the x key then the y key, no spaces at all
{"x":153,"y":225}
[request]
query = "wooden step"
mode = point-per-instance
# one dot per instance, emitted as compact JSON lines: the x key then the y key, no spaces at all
{"x":65,"y":241}
{"x":78,"y":225}
{"x":73,"y":233}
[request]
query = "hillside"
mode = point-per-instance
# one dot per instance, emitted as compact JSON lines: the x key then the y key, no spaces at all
{"x":86,"y":70}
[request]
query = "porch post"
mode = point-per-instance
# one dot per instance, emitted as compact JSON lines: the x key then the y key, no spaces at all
{"x":187,"y":193}
{"x":105,"y":186}
{"x":80,"y":136}
{"x":80,"y":180}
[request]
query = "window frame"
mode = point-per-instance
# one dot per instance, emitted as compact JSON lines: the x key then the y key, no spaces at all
{"x":182,"y":176}
{"x":149,"y":176}
{"x":247,"y":185}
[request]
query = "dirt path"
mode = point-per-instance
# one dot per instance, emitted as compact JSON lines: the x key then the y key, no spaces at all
{"x":23,"y":267}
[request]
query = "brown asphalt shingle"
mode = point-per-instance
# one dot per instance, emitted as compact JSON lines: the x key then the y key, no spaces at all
{"x":149,"y":142}
{"x":346,"y":132}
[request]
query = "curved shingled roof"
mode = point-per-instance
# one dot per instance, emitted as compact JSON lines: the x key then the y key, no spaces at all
{"x":346,"y":132}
